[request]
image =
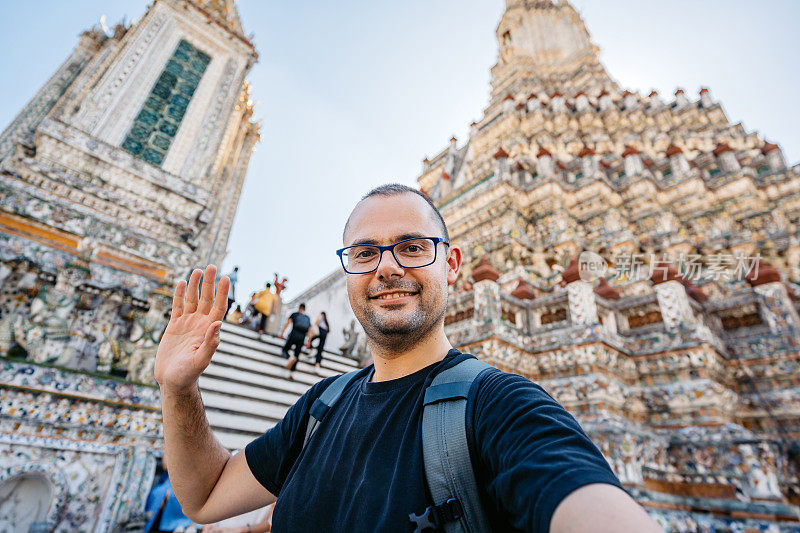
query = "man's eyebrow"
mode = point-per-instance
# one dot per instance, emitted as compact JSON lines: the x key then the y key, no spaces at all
{"x":397,"y":238}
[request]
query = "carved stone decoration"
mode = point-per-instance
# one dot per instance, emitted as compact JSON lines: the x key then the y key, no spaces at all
{"x":674,"y":304}
{"x":582,"y":304}
{"x":485,"y":271}
{"x":763,"y":274}
{"x":136,"y":48}
{"x":523,"y":291}
{"x":777,"y":309}
{"x":42,"y":503}
{"x":572,"y":272}
{"x":350,"y":340}
{"x":145,"y":335}
{"x":605,"y":290}
{"x":46,"y":331}
{"x":197,"y":162}
{"x":486,"y":293}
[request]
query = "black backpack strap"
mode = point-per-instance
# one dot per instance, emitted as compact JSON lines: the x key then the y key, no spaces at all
{"x":448,"y":468}
{"x":325,"y":401}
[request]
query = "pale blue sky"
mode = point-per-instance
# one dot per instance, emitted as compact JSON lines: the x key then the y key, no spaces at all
{"x":353,"y":94}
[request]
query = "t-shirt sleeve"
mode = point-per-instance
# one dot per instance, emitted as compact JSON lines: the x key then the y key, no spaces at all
{"x":272,"y":455}
{"x":531,"y":452}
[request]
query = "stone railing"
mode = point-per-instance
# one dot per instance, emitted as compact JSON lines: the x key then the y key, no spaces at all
{"x":576,"y":315}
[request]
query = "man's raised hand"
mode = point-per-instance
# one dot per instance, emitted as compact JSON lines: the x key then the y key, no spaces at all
{"x":192,"y":334}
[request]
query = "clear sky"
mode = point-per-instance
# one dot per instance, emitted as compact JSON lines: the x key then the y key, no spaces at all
{"x":353,"y":94}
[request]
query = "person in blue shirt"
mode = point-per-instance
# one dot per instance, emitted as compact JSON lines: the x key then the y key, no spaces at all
{"x":233,"y":277}
{"x":363,"y":469}
{"x":166,"y":513}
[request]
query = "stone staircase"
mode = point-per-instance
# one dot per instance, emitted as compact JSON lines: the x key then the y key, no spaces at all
{"x":246,"y":389}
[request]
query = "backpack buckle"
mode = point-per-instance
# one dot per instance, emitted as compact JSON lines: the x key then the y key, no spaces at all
{"x":435,"y":516}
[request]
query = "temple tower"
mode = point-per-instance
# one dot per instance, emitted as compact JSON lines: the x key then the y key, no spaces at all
{"x":143,"y":137}
{"x":123,"y":172}
{"x":678,"y":350}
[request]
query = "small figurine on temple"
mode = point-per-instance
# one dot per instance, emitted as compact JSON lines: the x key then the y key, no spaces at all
{"x":29,"y":282}
{"x":279,"y":285}
{"x":350,"y":339}
{"x":145,"y":336}
{"x":47,"y":334}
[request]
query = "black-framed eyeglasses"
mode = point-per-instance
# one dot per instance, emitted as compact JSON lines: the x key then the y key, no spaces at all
{"x":409,"y":253}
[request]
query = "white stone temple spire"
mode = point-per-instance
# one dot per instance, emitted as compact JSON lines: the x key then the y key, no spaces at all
{"x":159,"y":114}
{"x":544,"y":45}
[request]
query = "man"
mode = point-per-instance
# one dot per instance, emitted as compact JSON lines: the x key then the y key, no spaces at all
{"x":363,"y":468}
{"x":300,"y":323}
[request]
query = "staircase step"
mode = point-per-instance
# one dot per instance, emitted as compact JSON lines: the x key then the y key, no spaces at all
{"x":274,"y":341}
{"x":254,"y":356}
{"x":261,"y":408}
{"x":247,"y":389}
{"x":299,"y":385}
{"x":227,"y":420}
{"x":208,"y":383}
{"x":233,"y":440}
{"x":230,"y":340}
{"x":276,"y":368}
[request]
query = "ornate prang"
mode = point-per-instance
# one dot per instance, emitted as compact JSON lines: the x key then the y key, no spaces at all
{"x":680,"y":361}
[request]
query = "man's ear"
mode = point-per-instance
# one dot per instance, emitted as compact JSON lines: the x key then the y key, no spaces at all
{"x":453,"y":263}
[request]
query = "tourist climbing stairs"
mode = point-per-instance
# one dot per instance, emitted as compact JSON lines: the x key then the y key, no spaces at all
{"x":247,"y":389}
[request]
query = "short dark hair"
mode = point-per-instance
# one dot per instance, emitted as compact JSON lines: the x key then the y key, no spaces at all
{"x":301,"y":306}
{"x":393,"y":189}
{"x":269,"y":284}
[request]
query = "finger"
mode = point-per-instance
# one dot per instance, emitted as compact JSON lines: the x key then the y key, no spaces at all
{"x":209,"y":345}
{"x":221,"y":300}
{"x":207,"y":292}
{"x":191,"y":292}
{"x":177,"y":300}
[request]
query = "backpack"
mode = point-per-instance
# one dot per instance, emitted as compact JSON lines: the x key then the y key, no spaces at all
{"x":448,"y":469}
{"x":301,"y":322}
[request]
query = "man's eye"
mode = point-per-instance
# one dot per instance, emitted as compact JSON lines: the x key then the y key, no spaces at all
{"x":413,"y":248}
{"x":364,"y":254}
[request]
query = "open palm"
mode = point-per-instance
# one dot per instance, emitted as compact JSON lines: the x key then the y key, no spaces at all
{"x":192,"y":334}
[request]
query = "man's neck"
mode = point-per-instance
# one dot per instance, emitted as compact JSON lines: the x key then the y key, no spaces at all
{"x":389,"y":365}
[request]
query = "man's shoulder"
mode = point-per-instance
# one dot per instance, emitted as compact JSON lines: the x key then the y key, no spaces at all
{"x":496,"y":386}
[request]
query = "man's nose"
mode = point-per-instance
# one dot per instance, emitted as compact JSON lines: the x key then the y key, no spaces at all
{"x":388,"y":266}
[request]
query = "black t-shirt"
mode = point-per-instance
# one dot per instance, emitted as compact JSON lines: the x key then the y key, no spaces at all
{"x":363,"y":468}
{"x":300,"y":323}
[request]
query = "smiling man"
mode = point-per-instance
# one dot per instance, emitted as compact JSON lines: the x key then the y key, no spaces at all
{"x":363,"y":468}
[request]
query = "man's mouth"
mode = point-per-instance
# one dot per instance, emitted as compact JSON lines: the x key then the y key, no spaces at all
{"x":393,"y":295}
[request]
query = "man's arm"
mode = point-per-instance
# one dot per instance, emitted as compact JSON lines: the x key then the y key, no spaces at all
{"x":601,"y":508}
{"x":208,"y":482}
{"x":534,"y":459}
{"x":285,"y":326}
